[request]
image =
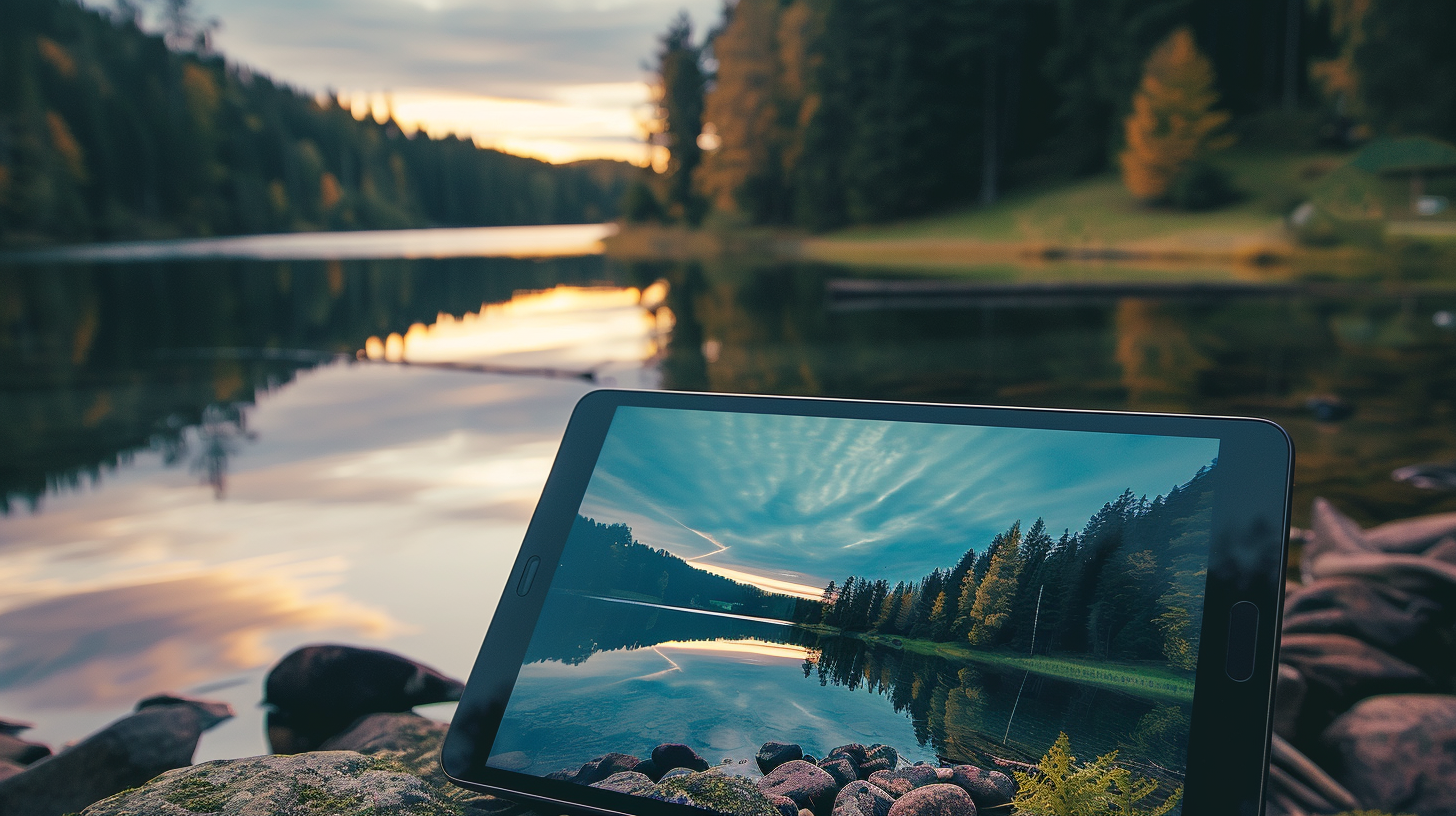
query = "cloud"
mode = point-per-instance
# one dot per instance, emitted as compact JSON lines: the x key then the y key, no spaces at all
{"x":812,"y":499}
{"x":115,"y":644}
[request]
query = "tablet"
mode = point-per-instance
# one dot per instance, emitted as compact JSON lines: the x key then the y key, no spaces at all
{"x":763,"y":605}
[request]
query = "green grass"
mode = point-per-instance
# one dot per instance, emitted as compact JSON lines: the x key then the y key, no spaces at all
{"x":1142,"y":679}
{"x":1099,"y":211}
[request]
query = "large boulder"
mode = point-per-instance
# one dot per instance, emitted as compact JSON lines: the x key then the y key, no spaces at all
{"x":860,"y":798}
{"x":1412,"y":535}
{"x":317,"y":691}
{"x":125,"y":754}
{"x":774,"y":754}
{"x":626,"y":782}
{"x":935,"y":800}
{"x":1397,"y":753}
{"x":858,"y":754}
{"x":1391,"y":619}
{"x":671,"y":755}
{"x":808,"y":785}
{"x":339,"y":783}
{"x":988,"y":789}
{"x":898,"y":783}
{"x":21,"y":752}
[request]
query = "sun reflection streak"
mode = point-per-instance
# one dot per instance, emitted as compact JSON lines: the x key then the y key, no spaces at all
{"x":570,"y":324}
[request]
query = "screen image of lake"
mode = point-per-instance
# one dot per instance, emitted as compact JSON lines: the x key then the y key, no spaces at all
{"x":611,"y":675}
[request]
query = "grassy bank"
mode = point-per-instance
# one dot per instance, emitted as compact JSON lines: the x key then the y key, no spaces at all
{"x":1090,"y":220}
{"x":1142,"y":679}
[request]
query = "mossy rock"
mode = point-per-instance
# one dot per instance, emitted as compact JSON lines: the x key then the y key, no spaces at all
{"x":336,"y":783}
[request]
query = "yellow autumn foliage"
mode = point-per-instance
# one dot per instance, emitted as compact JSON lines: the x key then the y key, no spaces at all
{"x":1173,"y":123}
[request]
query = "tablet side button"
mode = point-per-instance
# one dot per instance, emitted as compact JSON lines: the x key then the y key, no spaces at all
{"x":528,"y":576}
{"x":1243,"y":635}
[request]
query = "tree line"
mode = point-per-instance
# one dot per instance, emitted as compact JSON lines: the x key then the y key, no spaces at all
{"x":1127,"y":586}
{"x":821,"y":113}
{"x":109,"y":131}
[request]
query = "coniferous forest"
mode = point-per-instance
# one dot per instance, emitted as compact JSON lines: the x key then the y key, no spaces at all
{"x":1128,"y":586}
{"x":108,"y":131}
{"x":821,"y":113}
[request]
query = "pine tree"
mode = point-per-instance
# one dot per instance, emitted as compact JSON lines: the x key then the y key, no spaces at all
{"x":937,"y":622}
{"x":679,"y":91}
{"x":991,"y":611}
{"x":1173,"y":127}
{"x":961,"y":627}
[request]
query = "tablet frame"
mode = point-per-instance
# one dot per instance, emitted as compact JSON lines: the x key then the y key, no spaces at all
{"x":1230,"y":726}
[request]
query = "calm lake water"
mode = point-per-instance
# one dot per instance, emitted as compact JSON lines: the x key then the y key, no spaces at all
{"x":208,"y":462}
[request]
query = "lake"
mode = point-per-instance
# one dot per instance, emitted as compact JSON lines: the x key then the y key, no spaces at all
{"x":212,"y":460}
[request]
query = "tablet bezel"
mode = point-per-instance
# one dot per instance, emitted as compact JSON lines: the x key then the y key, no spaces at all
{"x":1231,"y":720}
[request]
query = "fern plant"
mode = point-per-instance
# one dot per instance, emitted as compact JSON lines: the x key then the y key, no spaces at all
{"x":1062,"y":787}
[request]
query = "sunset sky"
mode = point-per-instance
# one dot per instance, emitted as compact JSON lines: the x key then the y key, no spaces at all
{"x":798,"y":500}
{"x":555,"y":79}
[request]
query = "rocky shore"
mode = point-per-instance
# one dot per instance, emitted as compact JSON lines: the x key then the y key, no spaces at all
{"x":1365,"y":720}
{"x":852,"y":780}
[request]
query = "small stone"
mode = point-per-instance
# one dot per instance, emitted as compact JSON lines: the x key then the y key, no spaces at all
{"x":858,"y":754}
{"x":676,"y":772}
{"x":988,"y":789}
{"x":862,"y":799}
{"x":604,"y":766}
{"x":934,"y":800}
{"x":879,"y":758}
{"x":774,"y":754}
{"x":649,"y":769}
{"x":898,"y":783}
{"x":671,"y":755}
{"x":841,"y":768}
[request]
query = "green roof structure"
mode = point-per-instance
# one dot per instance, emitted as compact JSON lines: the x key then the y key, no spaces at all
{"x":1401,"y":156}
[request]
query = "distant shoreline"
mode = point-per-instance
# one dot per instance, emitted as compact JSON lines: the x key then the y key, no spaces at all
{"x":1139,"y":679}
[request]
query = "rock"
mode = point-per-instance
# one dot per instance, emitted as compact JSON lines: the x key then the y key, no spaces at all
{"x":602,"y":767}
{"x":808,"y":785}
{"x":387,"y":732}
{"x":339,"y":783}
{"x":878,"y":758}
{"x":317,"y":691}
{"x":774,"y":754}
{"x":988,"y":789}
{"x":1289,"y":691}
{"x":648,"y":768}
{"x":1397,"y":753}
{"x":718,"y":792}
{"x":1330,"y":532}
{"x":14,"y":727}
{"x":841,"y":768}
{"x":671,"y":755}
{"x":9,"y":769}
{"x":626,"y":782}
{"x":122,"y":755}
{"x":675,"y":772}
{"x":1339,"y":671}
{"x":898,"y":783}
{"x":862,"y":799}
{"x":211,"y":711}
{"x":806,"y":812}
{"x":1388,"y":618}
{"x":787,"y":806}
{"x":858,"y":754}
{"x":21,"y":752}
{"x":1428,"y":475}
{"x":934,"y":800}
{"x":1412,"y":535}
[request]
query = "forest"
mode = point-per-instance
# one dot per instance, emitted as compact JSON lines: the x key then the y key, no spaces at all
{"x":108,"y":131}
{"x":821,"y":113}
{"x":1128,"y":586}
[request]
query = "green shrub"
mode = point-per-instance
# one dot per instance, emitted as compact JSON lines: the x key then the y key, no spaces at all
{"x":1061,"y":787}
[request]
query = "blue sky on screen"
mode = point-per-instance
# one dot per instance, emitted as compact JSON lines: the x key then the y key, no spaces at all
{"x":806,"y":499}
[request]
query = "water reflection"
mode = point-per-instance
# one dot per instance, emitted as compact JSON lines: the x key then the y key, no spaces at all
{"x":382,"y":503}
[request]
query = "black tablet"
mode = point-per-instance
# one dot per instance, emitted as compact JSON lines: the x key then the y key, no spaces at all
{"x":762,"y":605}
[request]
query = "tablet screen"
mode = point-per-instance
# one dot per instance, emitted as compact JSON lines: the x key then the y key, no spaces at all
{"x":963,"y":594}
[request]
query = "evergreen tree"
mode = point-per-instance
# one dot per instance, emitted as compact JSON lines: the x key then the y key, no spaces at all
{"x":991,"y":611}
{"x":1173,"y":127}
{"x":961,"y":627}
{"x":938,"y":624}
{"x":679,"y":91}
